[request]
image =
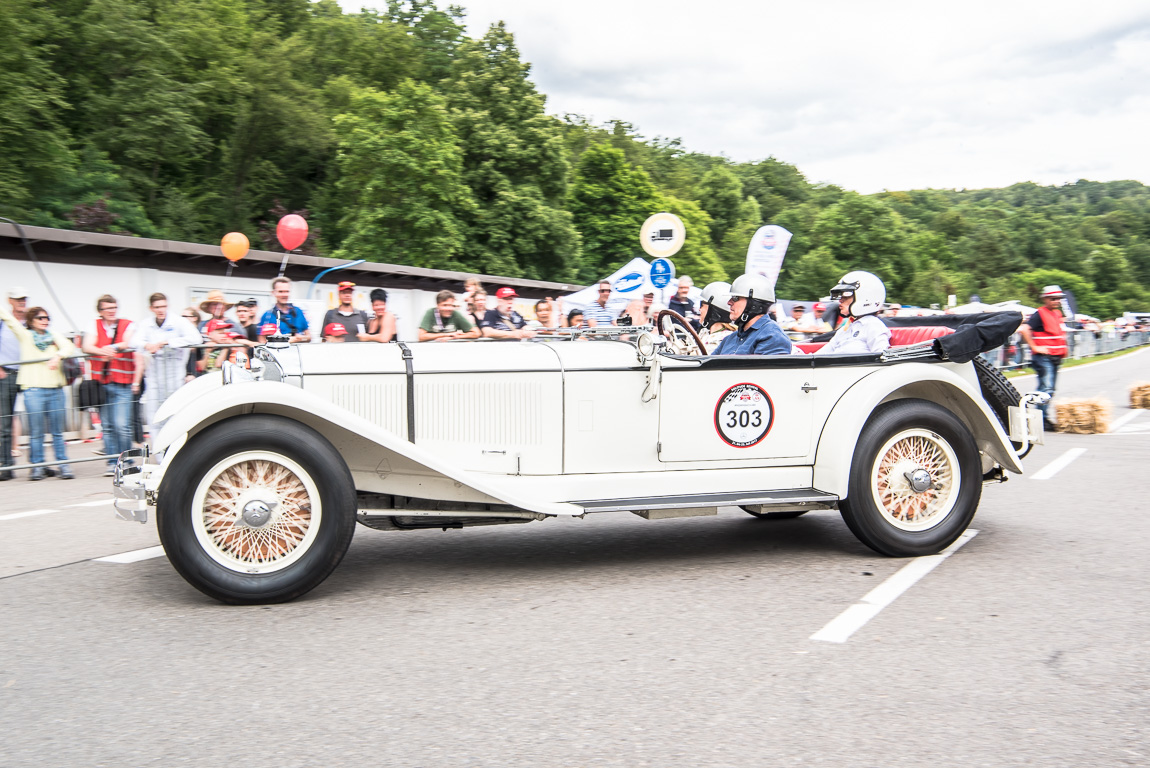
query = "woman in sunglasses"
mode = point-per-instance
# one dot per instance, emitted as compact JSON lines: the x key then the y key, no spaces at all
{"x":42,"y":384}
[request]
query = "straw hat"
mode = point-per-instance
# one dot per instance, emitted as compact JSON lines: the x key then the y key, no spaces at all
{"x":213,"y":297}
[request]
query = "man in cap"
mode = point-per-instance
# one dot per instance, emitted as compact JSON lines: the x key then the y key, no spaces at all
{"x":353,"y":320}
{"x":1046,"y":336}
{"x":119,"y":367}
{"x":504,"y":322}
{"x":246,"y":314}
{"x":334,"y":332}
{"x":9,"y":353}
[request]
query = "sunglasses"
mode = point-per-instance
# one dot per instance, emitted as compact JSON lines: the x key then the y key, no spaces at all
{"x":41,"y":317}
{"x":604,"y":290}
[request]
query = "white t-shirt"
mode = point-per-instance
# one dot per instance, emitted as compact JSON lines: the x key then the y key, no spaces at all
{"x":865,"y":335}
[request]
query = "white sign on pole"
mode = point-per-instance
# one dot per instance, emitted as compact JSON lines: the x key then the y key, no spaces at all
{"x":662,"y":235}
{"x":766,"y":252}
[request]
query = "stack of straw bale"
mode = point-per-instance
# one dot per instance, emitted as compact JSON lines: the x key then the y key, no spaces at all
{"x":1140,"y":395}
{"x":1084,"y":417}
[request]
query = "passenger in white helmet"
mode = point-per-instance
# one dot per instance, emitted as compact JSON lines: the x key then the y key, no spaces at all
{"x":715,"y":315}
{"x":860,"y":296}
{"x":756,"y":334}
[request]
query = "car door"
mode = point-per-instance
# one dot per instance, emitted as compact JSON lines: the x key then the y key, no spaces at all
{"x":748,"y":412}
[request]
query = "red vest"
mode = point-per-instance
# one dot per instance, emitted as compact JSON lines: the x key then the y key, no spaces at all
{"x":1052,"y":337}
{"x":113,"y":370}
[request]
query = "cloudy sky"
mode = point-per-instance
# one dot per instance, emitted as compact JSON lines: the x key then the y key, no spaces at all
{"x":867,"y":95}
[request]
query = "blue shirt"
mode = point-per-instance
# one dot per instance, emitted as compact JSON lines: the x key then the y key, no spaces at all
{"x":290,"y":323}
{"x":764,"y":338}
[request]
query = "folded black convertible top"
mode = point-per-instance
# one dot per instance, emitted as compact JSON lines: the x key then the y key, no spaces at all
{"x":973,"y":334}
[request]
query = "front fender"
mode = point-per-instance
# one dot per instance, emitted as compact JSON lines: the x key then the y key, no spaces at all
{"x":369,"y":449}
{"x":940,"y":383}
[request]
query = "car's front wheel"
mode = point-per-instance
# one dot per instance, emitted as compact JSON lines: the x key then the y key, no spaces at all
{"x":256,"y":509}
{"x":915,"y":482}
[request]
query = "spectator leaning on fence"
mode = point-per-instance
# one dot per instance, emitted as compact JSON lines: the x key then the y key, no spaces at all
{"x":114,"y":364}
{"x":285,"y":318}
{"x":163,"y":342}
{"x":381,"y":326}
{"x":504,"y":322}
{"x":596,"y":313}
{"x":246,"y":314}
{"x":444,"y":322}
{"x":353,"y":320}
{"x":9,"y":354}
{"x":43,"y":385}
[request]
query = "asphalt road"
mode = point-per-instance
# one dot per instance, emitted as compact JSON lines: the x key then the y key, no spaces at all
{"x":606,"y":641}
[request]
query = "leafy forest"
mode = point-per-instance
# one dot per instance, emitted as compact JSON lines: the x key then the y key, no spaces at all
{"x":403,"y":140}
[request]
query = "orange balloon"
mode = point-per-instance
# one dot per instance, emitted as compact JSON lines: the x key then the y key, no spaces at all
{"x":235,"y":246}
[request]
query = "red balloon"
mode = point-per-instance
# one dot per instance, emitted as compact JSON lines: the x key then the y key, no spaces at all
{"x":291,"y":231}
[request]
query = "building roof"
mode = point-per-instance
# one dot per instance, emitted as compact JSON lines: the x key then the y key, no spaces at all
{"x":66,"y":246}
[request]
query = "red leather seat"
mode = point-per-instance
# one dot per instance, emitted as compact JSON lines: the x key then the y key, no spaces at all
{"x":902,"y":336}
{"x":810,"y":347}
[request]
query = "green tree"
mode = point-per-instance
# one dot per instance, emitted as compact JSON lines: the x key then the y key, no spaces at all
{"x":609,"y":201}
{"x":400,"y":179}
{"x":36,"y":155}
{"x":1107,"y":268}
{"x":811,"y":275}
{"x":733,"y":250}
{"x":697,"y":258}
{"x":721,"y":196}
{"x":514,"y":163}
{"x":864,"y":233}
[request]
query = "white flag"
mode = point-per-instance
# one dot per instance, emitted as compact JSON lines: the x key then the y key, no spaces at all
{"x":766,"y":252}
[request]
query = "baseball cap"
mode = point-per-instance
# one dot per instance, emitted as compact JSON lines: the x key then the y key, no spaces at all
{"x":269,"y":329}
{"x":247,"y":303}
{"x":1052,"y":292}
{"x":334,"y":329}
{"x":18,"y":292}
{"x":820,"y":307}
{"x":506,"y":293}
{"x":217,"y":325}
{"x":798,"y":306}
{"x":346,"y":285}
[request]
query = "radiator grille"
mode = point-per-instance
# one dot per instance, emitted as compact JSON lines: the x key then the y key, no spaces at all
{"x":383,"y":404}
{"x":481,"y":411}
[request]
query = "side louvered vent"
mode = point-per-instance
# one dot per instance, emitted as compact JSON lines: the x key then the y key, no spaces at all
{"x":479,"y":411}
{"x":383,"y":404}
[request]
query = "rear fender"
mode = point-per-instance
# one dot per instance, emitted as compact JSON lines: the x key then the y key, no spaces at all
{"x":939,"y":383}
{"x":384,"y":461}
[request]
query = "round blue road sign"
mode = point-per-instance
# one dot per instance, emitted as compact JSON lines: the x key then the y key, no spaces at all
{"x":662,"y":270}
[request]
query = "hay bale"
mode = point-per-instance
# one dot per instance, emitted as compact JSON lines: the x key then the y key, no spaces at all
{"x":1140,"y":395}
{"x":1084,"y":417}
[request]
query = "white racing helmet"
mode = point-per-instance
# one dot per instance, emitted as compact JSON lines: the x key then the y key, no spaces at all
{"x":716,"y":296}
{"x":868,"y":290}
{"x":759,"y":293}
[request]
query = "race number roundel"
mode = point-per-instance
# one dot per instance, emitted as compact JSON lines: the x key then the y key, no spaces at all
{"x":744,"y":415}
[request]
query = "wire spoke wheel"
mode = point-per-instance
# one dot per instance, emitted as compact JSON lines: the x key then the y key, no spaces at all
{"x":256,"y":512}
{"x":909,"y":457}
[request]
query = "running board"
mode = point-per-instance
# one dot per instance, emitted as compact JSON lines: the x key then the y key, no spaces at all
{"x":771,"y":501}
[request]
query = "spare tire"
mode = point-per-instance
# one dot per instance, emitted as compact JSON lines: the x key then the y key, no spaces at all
{"x":1000,"y":394}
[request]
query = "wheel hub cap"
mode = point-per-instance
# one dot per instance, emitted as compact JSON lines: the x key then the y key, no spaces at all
{"x":257,"y":513}
{"x":919,"y":480}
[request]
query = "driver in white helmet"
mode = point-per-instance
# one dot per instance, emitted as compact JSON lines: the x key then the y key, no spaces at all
{"x":715,"y":315}
{"x":756,"y":334}
{"x":860,"y":296}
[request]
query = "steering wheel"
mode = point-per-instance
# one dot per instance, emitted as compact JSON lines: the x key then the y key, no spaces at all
{"x":683,"y":339}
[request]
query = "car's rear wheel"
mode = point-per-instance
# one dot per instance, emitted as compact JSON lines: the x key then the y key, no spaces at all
{"x":256,"y":509}
{"x":915,"y":482}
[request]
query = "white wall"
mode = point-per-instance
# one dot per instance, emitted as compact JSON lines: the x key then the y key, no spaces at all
{"x":78,"y":287}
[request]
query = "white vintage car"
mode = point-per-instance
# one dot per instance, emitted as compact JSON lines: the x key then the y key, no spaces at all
{"x":259,"y":477}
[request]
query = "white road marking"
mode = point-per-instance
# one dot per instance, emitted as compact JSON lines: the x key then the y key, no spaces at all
{"x":1059,"y":464}
{"x":1134,"y":428}
{"x":133,"y":557}
{"x":852,"y":619}
{"x":1122,"y":421}
{"x":100,"y":503}
{"x":32,"y":513}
